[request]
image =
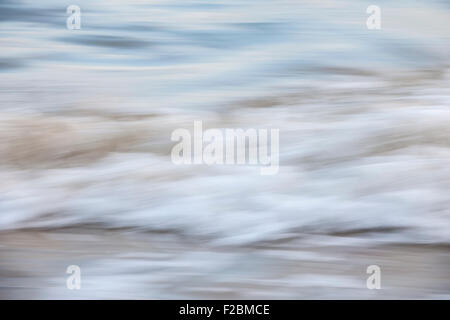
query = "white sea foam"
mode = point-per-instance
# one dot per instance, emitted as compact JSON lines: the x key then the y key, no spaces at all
{"x":363,"y":119}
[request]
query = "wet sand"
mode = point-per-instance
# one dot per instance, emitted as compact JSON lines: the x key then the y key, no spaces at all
{"x":120,"y":264}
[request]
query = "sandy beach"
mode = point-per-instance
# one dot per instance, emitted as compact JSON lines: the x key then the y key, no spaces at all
{"x":117,"y":264}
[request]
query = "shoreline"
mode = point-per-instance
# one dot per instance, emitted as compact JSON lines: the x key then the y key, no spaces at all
{"x":120,"y":264}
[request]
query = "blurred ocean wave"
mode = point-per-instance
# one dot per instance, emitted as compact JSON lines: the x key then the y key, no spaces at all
{"x":86,"y":117}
